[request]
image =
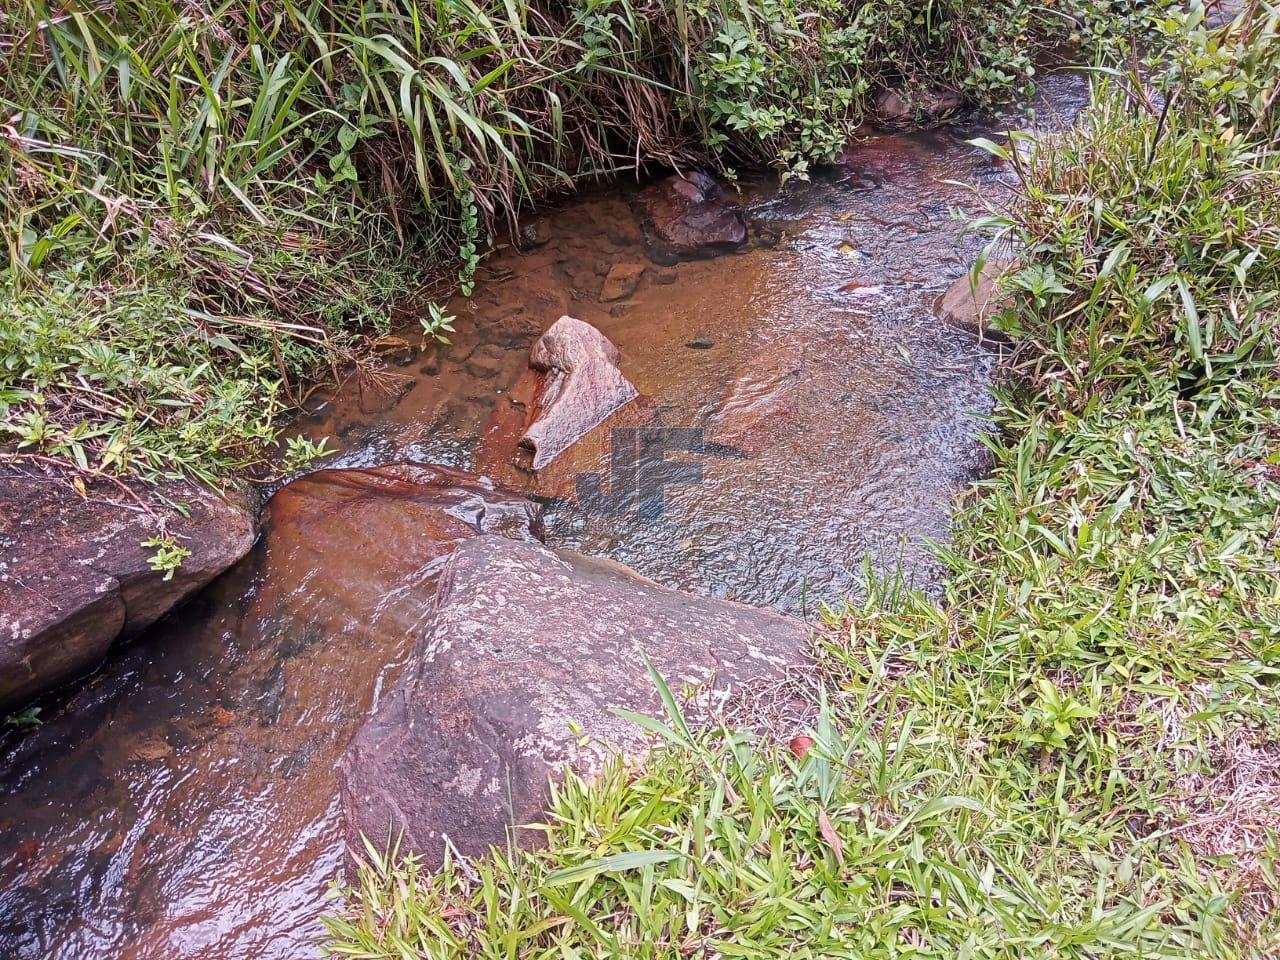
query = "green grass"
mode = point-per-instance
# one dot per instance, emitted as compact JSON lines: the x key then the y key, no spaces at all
{"x":205,"y":206}
{"x":1074,"y":752}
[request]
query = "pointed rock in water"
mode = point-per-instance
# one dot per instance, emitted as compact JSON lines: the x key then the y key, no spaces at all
{"x":75,"y":575}
{"x":688,"y":216}
{"x":580,"y":386}
{"x":529,"y":650}
{"x":969,"y":307}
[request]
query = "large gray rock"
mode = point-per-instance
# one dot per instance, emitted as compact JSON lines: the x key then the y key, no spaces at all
{"x":74,"y":574}
{"x":530,"y":649}
{"x":689,"y":215}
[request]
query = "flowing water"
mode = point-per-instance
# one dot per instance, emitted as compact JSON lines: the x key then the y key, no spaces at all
{"x":809,"y":412}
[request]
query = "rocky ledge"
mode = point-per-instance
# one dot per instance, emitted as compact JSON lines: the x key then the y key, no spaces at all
{"x":529,"y":647}
{"x":75,"y":575}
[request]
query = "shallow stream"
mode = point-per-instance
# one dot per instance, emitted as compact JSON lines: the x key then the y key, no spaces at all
{"x":183,"y":801}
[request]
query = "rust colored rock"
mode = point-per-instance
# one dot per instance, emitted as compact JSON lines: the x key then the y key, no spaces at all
{"x":689,"y":215}
{"x":760,"y":400}
{"x":580,"y":386}
{"x":871,"y":159}
{"x":621,"y":281}
{"x":343,"y":544}
{"x":895,"y":109}
{"x":530,"y":649}
{"x":75,"y":576}
{"x":969,"y":307}
{"x":800,"y":745}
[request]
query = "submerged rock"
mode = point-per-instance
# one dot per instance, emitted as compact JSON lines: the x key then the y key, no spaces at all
{"x":896,"y":109}
{"x":531,"y":648}
{"x":689,"y":215}
{"x":75,"y":575}
{"x":759,"y":401}
{"x":969,"y":307}
{"x":359,"y":545}
{"x":621,"y":281}
{"x":580,"y":385}
{"x":871,"y":159}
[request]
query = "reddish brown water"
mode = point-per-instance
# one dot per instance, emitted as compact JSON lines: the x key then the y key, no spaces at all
{"x":183,"y":803}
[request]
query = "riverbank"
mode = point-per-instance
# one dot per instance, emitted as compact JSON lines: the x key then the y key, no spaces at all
{"x":211,"y":209}
{"x":1074,"y":749}
{"x":214,"y":213}
{"x":838,"y":417}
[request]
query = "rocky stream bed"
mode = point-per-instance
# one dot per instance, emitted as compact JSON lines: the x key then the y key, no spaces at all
{"x":755,"y":397}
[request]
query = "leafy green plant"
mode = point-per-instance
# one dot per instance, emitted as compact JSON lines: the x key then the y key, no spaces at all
{"x":1051,"y":721}
{"x":168,"y":555}
{"x":436,"y":325}
{"x":1039,"y":282}
{"x":24,"y":719}
{"x":302,"y":453}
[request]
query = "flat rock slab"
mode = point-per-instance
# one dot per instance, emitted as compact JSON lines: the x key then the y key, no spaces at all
{"x":74,"y":574}
{"x":688,"y":216}
{"x":529,"y":650}
{"x":365,"y":545}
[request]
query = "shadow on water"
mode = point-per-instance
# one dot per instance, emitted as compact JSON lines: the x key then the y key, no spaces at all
{"x":184,"y":802}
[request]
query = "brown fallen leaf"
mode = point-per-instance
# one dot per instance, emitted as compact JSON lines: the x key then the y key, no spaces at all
{"x":829,"y":834}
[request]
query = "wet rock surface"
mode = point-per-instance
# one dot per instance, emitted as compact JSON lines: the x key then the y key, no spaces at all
{"x":580,"y":385}
{"x":525,"y":644}
{"x":903,"y":109}
{"x":349,"y":540}
{"x":190,"y":794}
{"x":690,"y":215}
{"x":760,"y":401}
{"x":75,"y":575}
{"x":970,"y":303}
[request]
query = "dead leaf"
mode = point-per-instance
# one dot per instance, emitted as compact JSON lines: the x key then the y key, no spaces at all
{"x":858,"y":288}
{"x":829,"y":834}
